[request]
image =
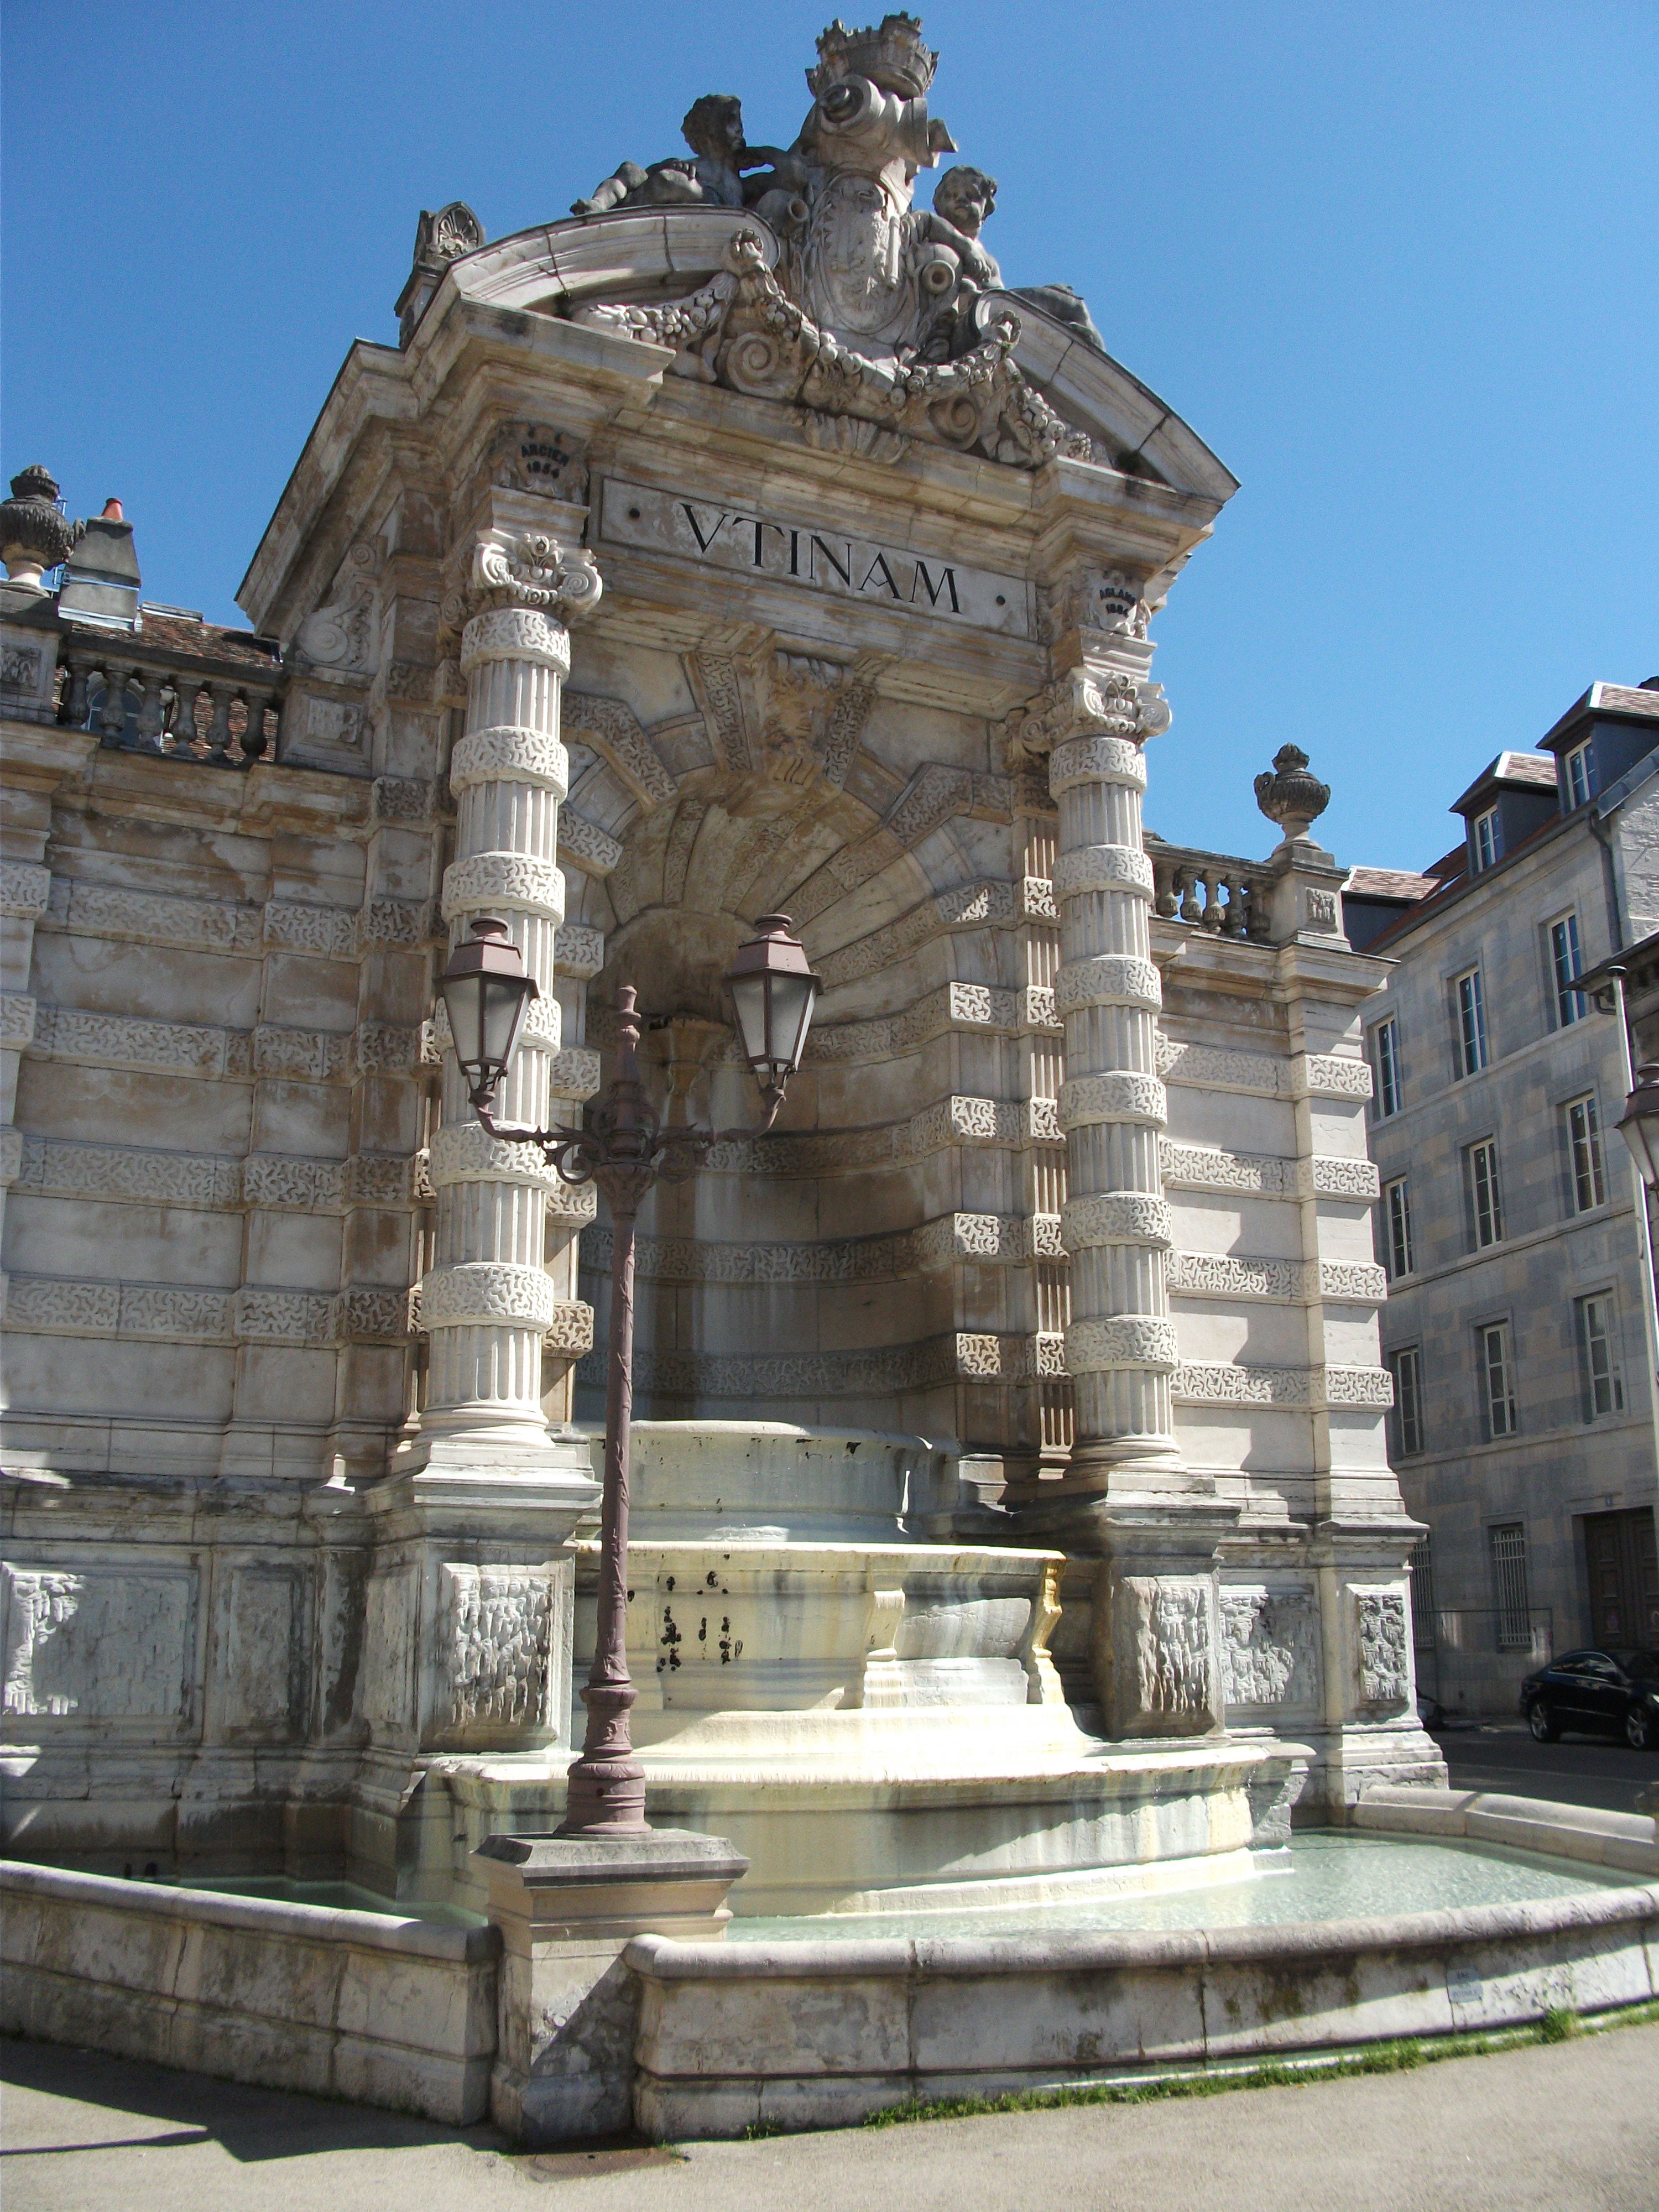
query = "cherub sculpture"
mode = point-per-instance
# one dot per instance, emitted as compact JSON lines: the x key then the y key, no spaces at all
{"x":964,"y":199}
{"x":713,"y":177}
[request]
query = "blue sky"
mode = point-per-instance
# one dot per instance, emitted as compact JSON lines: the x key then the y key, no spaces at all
{"x":1395,"y":262}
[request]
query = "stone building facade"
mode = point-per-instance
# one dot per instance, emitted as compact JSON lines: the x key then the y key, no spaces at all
{"x":1515,"y":1325}
{"x":667,"y":571}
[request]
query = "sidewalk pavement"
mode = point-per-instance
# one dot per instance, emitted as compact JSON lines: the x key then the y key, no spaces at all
{"x":1567,"y":2127}
{"x":1576,"y":1770}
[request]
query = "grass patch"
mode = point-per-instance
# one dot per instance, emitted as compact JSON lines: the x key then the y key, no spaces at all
{"x":1558,"y":2024}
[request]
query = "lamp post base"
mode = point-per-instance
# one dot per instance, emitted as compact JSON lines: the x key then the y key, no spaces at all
{"x":606,"y":1785}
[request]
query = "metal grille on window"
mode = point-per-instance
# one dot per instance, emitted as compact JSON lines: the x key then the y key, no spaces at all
{"x":1471,"y":1024}
{"x":1496,"y":1382}
{"x":1387,"y":1037}
{"x":1486,"y":1204}
{"x":1570,"y":1005}
{"x":1598,"y":1360}
{"x":1422,"y":1574}
{"x":1509,"y":1576}
{"x":1584,"y":1141}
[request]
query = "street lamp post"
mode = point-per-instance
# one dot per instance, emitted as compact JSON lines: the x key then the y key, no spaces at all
{"x":624,"y":1150}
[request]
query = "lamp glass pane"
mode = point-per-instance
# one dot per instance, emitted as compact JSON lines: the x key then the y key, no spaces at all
{"x":791,"y":1012}
{"x":1639,"y":1132}
{"x":462,"y":998}
{"x":749,"y":997}
{"x":503,"y":997}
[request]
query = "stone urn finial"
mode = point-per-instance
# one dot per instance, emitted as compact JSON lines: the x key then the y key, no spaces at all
{"x":1290,"y":796}
{"x":33,"y":536}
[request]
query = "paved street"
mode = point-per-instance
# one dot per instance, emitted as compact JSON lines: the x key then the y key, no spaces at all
{"x":1571,"y":2127}
{"x":1579,"y":1770}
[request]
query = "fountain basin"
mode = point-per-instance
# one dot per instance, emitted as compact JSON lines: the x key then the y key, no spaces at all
{"x":817,"y":2024}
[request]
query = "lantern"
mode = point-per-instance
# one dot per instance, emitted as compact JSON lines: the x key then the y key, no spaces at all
{"x":486,"y":990}
{"x":773,"y":991}
{"x":1638,"y":1125}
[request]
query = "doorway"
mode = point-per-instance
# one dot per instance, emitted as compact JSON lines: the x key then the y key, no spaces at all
{"x":1624,"y":1576}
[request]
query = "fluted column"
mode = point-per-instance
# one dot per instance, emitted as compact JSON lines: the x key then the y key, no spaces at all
{"x":1121,"y":1343}
{"x":1125,"y":1503}
{"x":488,"y":1300}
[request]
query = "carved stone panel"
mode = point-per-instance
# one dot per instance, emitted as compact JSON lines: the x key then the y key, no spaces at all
{"x":100,"y":1643}
{"x":263,"y":1662}
{"x":501,"y":1636}
{"x":1269,"y":1646}
{"x":1381,"y":1649}
{"x":1164,"y":1670}
{"x":388,"y":1663}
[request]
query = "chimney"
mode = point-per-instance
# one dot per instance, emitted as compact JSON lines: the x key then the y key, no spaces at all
{"x":100,"y":578}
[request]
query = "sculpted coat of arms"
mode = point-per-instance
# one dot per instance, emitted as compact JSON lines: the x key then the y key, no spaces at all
{"x":844,"y":298}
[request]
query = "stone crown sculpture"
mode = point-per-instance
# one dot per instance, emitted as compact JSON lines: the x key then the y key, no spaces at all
{"x":33,"y":536}
{"x":1288,"y":795}
{"x":891,"y":54}
{"x":852,"y":304}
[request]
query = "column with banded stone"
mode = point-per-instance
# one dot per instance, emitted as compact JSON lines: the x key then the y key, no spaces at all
{"x":488,"y":1301}
{"x":1120,"y":1342}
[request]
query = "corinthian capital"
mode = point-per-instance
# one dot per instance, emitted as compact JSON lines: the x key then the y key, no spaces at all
{"x":1086,"y":702}
{"x":534,"y":571}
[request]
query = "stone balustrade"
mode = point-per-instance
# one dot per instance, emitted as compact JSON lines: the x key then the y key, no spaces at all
{"x":147,"y":698}
{"x":1212,"y":891}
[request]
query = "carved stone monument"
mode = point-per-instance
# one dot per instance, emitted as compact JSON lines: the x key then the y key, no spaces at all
{"x":1011,"y":1499}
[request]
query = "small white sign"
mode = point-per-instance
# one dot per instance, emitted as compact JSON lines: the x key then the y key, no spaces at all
{"x":816,"y":557}
{"x":1462,"y":1987}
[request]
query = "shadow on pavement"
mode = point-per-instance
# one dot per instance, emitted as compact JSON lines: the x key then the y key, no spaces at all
{"x":250,"y":2123}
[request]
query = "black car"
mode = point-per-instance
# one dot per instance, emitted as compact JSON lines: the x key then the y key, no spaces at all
{"x":1611,"y":1692}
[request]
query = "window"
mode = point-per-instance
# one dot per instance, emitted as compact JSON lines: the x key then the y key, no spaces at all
{"x":1485,"y":1206}
{"x":1566,"y":968}
{"x":1584,"y":1144}
{"x":1508,"y":1542}
{"x":1398,"y":1256}
{"x":1421,"y":1565}
{"x":1385,"y":1058}
{"x":1471,"y":1032}
{"x":1598,"y":1358}
{"x":1406,"y":1365}
{"x":1488,"y":839}
{"x":1496,"y":1380}
{"x":1576,"y":768}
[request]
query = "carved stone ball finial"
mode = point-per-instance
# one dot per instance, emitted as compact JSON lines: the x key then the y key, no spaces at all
{"x":1290,"y":796}
{"x":33,"y":536}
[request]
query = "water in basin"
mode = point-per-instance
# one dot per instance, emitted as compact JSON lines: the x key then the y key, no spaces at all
{"x":337,"y":1896}
{"x":1327,"y":1874}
